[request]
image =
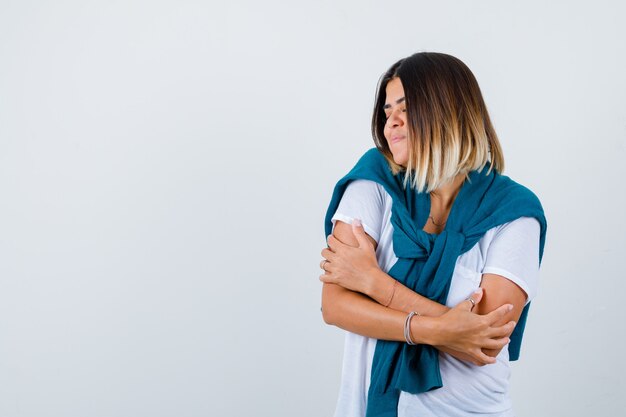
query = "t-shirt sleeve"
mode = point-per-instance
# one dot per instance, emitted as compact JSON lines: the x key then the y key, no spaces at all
{"x":514,"y":254}
{"x":363,"y":200}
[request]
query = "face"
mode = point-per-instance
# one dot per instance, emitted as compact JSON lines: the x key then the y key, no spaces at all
{"x":396,"y":125}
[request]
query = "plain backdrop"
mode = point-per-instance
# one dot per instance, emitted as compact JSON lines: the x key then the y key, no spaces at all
{"x":165,"y":168}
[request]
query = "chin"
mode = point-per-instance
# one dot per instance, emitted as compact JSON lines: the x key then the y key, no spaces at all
{"x":400,"y":160}
{"x":400,"y":153}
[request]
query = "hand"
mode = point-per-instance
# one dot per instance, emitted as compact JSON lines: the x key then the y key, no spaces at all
{"x":462,"y":331}
{"x":353,"y":268}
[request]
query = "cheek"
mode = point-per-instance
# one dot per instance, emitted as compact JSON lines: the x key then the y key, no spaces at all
{"x":386,"y":133}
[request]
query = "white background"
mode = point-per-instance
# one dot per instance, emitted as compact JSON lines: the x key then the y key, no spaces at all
{"x":165,"y":168}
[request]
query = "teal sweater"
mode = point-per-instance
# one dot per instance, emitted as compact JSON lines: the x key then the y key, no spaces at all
{"x":426,"y":262}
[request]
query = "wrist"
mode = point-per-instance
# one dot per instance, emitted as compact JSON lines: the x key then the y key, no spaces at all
{"x":426,"y":331}
{"x":379,"y":286}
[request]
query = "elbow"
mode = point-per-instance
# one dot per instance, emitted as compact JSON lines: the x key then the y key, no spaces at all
{"x":327,"y":317}
{"x":329,"y":313}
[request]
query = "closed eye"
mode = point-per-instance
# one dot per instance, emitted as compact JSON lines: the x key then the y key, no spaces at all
{"x":389,"y":114}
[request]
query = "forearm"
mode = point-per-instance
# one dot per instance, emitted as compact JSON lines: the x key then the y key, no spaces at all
{"x":459,"y":355}
{"x":383,"y":289}
{"x":406,"y":300}
{"x":354,"y":299}
{"x":458,"y":332}
{"x":357,"y":264}
{"x":359,"y":314}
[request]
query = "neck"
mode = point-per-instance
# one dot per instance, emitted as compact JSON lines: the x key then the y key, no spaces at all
{"x":446,"y":194}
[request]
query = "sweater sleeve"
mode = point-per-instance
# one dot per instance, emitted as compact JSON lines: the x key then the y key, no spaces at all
{"x":363,"y":200}
{"x":514,"y":254}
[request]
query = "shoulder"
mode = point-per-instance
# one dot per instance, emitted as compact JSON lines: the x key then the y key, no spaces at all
{"x":510,"y":200}
{"x":372,"y":156}
{"x":365,"y":187}
{"x":521,"y":226}
{"x":513,"y":237}
{"x":515,"y":241}
{"x":365,"y":200}
{"x":505,"y":188}
{"x":372,"y":165}
{"x":363,"y":195}
{"x":513,"y":253}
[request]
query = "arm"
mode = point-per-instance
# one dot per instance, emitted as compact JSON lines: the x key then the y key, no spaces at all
{"x":498,"y":290}
{"x":366,"y":198}
{"x":457,"y":329}
{"x":511,"y":267}
{"x":379,"y":286}
{"x":352,"y":255}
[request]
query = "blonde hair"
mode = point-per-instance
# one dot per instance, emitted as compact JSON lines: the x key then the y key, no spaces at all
{"x":449,"y":131}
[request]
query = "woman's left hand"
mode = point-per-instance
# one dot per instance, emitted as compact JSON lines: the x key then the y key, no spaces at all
{"x":351,"y":267}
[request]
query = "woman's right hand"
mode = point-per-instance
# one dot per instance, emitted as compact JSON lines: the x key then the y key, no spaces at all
{"x":353,"y":267}
{"x":467,"y":333}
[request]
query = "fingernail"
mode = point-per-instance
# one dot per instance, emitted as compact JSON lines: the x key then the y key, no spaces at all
{"x":356,"y":222}
{"x":478,"y":291}
{"x":509,"y":307}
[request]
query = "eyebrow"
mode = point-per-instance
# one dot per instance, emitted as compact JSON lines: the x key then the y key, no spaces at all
{"x":398,"y":101}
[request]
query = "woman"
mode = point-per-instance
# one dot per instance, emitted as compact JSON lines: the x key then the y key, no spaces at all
{"x":434,"y":256}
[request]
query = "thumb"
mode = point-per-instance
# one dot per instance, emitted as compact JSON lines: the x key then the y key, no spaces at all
{"x":359,"y":232}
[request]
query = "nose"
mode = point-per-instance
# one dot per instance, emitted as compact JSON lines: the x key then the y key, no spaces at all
{"x":396,"y":119}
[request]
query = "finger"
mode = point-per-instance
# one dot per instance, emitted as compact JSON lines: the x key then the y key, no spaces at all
{"x":498,"y":313}
{"x":467,"y":305}
{"x":477,"y":295}
{"x":328,"y":254}
{"x":326,"y":278}
{"x":326,"y":266}
{"x":501,"y":331}
{"x":333,"y":243}
{"x":476,"y":361}
{"x":484,"y":359}
{"x":496,"y":343}
{"x":359,"y":233}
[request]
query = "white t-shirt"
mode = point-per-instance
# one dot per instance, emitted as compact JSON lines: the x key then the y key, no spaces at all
{"x":510,"y":250}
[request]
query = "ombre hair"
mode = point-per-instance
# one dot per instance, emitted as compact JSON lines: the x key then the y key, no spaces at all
{"x":449,"y":131}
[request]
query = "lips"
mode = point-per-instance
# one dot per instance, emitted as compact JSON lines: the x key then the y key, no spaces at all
{"x":395,"y":139}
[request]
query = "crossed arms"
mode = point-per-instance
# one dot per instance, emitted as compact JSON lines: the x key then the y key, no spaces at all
{"x":355,"y":292}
